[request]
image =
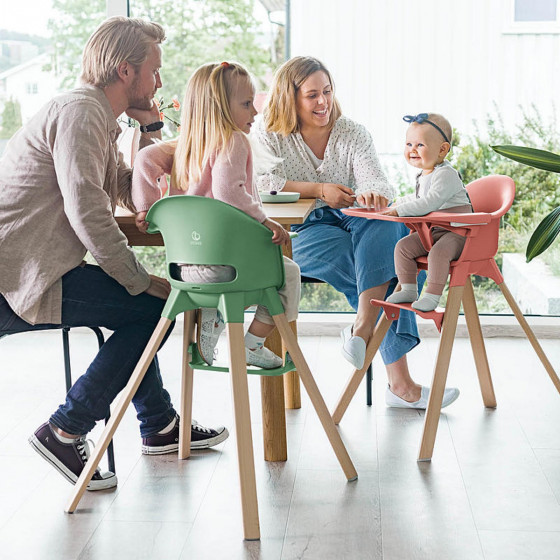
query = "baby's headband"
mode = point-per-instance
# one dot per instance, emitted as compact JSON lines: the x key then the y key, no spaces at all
{"x":423,"y":118}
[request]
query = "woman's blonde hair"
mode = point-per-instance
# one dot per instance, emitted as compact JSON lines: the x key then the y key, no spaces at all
{"x":206,"y":121}
{"x":280,"y":113}
{"x":116,"y":40}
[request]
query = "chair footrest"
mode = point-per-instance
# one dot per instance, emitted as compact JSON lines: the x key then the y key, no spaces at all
{"x":392,"y":311}
{"x":198,"y":363}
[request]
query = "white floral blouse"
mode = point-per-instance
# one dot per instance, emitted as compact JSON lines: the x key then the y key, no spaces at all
{"x":350,"y":159}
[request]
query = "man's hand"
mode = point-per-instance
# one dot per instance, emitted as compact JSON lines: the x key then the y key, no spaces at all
{"x":159,"y":287}
{"x":337,"y":196}
{"x":141,"y":222}
{"x":373,"y":200}
{"x":144,"y":117}
{"x":279,"y":235}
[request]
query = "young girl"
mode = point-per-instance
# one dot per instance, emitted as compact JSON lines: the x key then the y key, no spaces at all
{"x":438,"y":187}
{"x":212,"y":157}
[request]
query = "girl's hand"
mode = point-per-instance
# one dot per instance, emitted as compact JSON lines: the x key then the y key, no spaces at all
{"x":141,"y":222}
{"x":389,"y":212}
{"x":337,"y":196}
{"x":279,"y":235}
{"x":373,"y":200}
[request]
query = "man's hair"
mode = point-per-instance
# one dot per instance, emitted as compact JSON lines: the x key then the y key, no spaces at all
{"x":280,"y":113}
{"x":116,"y":40}
{"x":206,"y":121}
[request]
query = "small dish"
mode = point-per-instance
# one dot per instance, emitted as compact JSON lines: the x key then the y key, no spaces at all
{"x":280,"y":197}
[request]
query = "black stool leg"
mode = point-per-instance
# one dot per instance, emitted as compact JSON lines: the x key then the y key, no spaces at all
{"x":369,"y":382}
{"x":68,"y":376}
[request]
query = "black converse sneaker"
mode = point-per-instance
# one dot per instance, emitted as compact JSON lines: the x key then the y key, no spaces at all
{"x":69,"y":458}
{"x":201,"y":438}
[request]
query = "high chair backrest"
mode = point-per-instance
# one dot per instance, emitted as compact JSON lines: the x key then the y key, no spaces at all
{"x":205,"y":231}
{"x":494,"y":195}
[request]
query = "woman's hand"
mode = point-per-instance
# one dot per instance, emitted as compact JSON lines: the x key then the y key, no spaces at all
{"x":373,"y":200}
{"x":279,"y":235}
{"x":337,"y":196}
{"x":141,"y":222}
{"x":389,"y":212}
{"x":159,"y":287}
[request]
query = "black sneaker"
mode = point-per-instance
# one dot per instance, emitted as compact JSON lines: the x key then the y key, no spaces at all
{"x":69,"y":458}
{"x":201,"y":438}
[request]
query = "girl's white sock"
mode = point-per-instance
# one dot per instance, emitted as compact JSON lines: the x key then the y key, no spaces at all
{"x":253,"y":342}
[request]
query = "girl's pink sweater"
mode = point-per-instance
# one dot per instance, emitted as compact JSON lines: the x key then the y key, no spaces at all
{"x":228,"y":176}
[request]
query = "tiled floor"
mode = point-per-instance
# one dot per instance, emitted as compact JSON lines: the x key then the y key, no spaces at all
{"x":491,"y":492}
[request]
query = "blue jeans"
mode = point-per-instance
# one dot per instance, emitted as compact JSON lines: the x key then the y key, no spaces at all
{"x":352,"y":255}
{"x":91,"y":298}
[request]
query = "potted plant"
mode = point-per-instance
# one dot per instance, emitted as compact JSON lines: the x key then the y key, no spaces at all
{"x":547,"y":231}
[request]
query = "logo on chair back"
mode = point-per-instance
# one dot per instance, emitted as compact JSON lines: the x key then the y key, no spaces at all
{"x":195,"y":238}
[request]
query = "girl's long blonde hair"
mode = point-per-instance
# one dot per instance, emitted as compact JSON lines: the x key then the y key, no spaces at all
{"x":206,"y":121}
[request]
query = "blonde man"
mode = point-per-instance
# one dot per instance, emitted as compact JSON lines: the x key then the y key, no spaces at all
{"x":61,"y":176}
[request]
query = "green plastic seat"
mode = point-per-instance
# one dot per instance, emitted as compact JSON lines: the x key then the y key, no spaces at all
{"x":199,"y":230}
{"x":246,"y":247}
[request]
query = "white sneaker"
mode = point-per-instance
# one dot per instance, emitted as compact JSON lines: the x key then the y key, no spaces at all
{"x":353,"y":347}
{"x":263,"y":357}
{"x":450,"y":395}
{"x":209,"y":327}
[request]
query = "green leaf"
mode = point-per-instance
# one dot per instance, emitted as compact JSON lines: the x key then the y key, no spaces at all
{"x":544,"y":235}
{"x":541,"y":159}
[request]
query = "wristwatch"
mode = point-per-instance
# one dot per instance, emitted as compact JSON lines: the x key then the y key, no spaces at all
{"x":158,"y":125}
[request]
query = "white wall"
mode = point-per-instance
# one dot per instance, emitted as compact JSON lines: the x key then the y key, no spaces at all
{"x":394,"y":57}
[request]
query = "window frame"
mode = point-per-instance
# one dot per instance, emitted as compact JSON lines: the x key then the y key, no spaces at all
{"x":514,"y":27}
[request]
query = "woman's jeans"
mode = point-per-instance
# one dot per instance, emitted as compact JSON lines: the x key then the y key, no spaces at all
{"x":91,"y":298}
{"x":354,"y":254}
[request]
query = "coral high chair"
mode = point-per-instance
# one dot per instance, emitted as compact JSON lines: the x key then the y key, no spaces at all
{"x":205,"y":231}
{"x":491,"y":198}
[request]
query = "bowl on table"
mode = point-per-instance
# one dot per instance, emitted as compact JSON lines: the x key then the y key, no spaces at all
{"x":279,"y":197}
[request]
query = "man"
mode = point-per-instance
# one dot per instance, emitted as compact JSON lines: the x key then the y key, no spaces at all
{"x":60,"y":178}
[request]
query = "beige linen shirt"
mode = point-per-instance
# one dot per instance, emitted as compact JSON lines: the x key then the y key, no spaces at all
{"x":61,"y":177}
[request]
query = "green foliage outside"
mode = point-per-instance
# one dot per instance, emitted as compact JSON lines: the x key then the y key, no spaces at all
{"x":198,"y":31}
{"x":10,"y":119}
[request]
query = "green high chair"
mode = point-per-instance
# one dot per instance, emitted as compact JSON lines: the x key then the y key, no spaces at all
{"x":201,"y":230}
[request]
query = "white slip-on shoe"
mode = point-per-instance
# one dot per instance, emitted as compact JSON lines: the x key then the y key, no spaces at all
{"x":209,"y":327}
{"x":450,"y":395}
{"x":353,"y":347}
{"x":262,"y":357}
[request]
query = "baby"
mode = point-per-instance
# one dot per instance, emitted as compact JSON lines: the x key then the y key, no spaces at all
{"x":438,"y":187}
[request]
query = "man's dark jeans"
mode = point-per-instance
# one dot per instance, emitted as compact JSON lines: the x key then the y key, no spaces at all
{"x":91,"y":298}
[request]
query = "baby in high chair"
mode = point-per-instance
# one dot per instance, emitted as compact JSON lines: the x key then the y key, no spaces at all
{"x":212,"y":157}
{"x":438,"y":187}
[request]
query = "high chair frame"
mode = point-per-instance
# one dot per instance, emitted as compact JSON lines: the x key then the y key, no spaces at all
{"x":209,"y":232}
{"x":491,"y":198}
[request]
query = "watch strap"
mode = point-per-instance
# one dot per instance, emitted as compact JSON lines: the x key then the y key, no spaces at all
{"x":153,"y":127}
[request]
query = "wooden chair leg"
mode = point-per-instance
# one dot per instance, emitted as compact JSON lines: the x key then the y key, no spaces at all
{"x":292,"y":391}
{"x":186,"y":388}
{"x":126,"y":396}
{"x":477,"y":345}
{"x":315,"y":396}
{"x":435,"y":399}
{"x":530,"y":335}
{"x":240,"y":391}
{"x":375,"y":341}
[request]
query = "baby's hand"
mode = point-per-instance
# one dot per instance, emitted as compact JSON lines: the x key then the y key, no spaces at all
{"x":389,"y":212}
{"x":279,"y":235}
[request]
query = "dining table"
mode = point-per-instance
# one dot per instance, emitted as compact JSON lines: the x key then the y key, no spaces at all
{"x":277,"y":393}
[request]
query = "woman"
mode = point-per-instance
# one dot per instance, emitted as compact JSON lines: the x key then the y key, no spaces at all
{"x":331,"y":158}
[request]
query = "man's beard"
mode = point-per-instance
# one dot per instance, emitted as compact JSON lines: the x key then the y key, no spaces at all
{"x":135,"y":100}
